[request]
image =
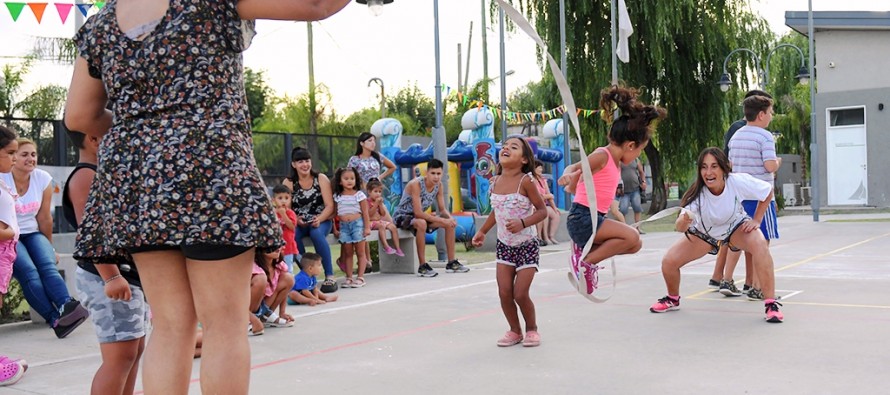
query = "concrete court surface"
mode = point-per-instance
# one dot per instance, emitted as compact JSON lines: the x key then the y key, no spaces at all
{"x":408,"y":335}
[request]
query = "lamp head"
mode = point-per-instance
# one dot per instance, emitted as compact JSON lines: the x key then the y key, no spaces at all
{"x":375,"y":6}
{"x":724,"y":82}
{"x":803,"y":75}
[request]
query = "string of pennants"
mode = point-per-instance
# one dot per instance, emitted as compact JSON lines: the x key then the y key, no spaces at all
{"x":38,"y":9}
{"x":516,"y":116}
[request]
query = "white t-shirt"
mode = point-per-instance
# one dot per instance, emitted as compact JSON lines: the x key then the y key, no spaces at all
{"x":716,"y":215}
{"x":27,"y":205}
{"x":7,"y":208}
{"x":349,"y":204}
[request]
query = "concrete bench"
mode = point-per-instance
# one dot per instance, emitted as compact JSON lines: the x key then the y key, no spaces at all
{"x":407,"y":264}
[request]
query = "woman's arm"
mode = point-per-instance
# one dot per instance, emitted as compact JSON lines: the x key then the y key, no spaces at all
{"x":290,"y":10}
{"x":327,"y":194}
{"x":44,"y":218}
{"x":85,"y":106}
{"x":390,"y":167}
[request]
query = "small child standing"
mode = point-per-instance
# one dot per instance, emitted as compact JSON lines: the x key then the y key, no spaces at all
{"x":352,"y":210}
{"x":11,"y":370}
{"x":279,"y":282}
{"x":305,"y":289}
{"x":380,"y":218}
{"x":517,"y":206}
{"x":281,"y":198}
{"x":548,"y":227}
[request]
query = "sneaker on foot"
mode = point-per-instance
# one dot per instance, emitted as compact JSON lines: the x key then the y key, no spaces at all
{"x":713,"y":284}
{"x":755,"y":294}
{"x":772,"y":312}
{"x":399,"y":252}
{"x":71,"y":312}
{"x":589,"y":271}
{"x":425,"y":270}
{"x":62,"y":331}
{"x":746,"y":288}
{"x":11,"y":372}
{"x":664,"y":304}
{"x":510,"y":339}
{"x":389,"y":250}
{"x":728,"y":288}
{"x":456,"y":267}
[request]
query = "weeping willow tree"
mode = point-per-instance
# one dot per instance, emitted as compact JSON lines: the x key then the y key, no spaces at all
{"x":676,"y":58}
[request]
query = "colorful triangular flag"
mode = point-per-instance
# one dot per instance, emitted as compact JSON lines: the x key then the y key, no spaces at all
{"x":15,"y":9}
{"x":84,"y":8}
{"x":64,"y":10}
{"x":37,"y":9}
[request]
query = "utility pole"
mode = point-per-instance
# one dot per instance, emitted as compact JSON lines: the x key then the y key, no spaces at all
{"x":313,"y":126}
{"x":484,"y":51}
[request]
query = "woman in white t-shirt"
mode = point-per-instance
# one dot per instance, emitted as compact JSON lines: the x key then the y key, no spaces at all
{"x":35,"y":263}
{"x":713,"y":215}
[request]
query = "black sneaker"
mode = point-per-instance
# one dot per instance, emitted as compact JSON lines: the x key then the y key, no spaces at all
{"x":455,"y":267}
{"x":727,"y":288}
{"x":713,"y":284}
{"x":62,"y":331}
{"x":71,"y":312}
{"x":425,"y":270}
{"x":746,"y":288}
{"x":755,"y":294}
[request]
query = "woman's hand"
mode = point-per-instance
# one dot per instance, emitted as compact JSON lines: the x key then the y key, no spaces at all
{"x":569,"y":180}
{"x":750,"y":225}
{"x":683,"y":222}
{"x":118,"y":289}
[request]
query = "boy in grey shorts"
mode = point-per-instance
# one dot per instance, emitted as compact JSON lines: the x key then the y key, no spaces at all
{"x":111,"y":292}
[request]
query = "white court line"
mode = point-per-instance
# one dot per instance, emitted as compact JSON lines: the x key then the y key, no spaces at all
{"x":331,"y":310}
{"x":792,"y":293}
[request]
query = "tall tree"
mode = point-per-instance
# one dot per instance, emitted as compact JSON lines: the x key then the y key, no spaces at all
{"x":676,"y":57}
{"x":258,"y":93}
{"x":411,"y":101}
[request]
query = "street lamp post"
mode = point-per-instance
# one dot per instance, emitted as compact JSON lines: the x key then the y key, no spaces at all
{"x":439,"y":149}
{"x":803,"y":75}
{"x":382,"y":95}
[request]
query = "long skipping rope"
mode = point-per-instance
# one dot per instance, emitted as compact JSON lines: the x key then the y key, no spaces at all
{"x":587,"y":174}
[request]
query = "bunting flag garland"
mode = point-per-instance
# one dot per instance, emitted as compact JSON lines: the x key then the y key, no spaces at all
{"x":516,"y":116}
{"x":38,"y":9}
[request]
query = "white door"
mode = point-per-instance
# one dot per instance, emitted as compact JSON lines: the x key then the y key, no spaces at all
{"x":846,"y":156}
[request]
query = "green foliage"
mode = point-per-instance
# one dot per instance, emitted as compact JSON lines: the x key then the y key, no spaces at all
{"x":285,"y":114}
{"x":44,"y":103}
{"x":11,"y":301}
{"x":414,"y":105}
{"x":676,"y":57}
{"x":258,"y":93}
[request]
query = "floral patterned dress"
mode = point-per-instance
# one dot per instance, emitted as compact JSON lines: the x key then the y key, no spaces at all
{"x":176,"y":168}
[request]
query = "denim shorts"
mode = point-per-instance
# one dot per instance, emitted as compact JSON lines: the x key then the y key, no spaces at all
{"x":352,"y":231}
{"x":114,"y":320}
{"x":579,"y":223}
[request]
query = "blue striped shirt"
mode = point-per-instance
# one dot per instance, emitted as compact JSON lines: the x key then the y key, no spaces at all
{"x":749,"y":148}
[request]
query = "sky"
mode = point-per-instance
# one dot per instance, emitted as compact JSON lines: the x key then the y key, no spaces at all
{"x":353,"y":46}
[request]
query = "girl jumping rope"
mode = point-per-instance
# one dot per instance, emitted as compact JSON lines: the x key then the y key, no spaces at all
{"x":517,"y":207}
{"x":352,"y":209}
{"x":380,"y":218}
{"x":628,"y":136}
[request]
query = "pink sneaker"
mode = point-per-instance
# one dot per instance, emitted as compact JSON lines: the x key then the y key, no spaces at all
{"x":10,"y":372}
{"x":772,"y":312}
{"x":590,"y":276}
{"x":399,"y":252}
{"x":4,"y":359}
{"x":389,"y":250}
{"x":510,"y":339}
{"x":576,"y":260}
{"x":532,"y":339}
{"x":664,"y":304}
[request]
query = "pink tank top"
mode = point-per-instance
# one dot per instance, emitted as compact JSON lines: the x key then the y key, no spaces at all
{"x":605,"y":181}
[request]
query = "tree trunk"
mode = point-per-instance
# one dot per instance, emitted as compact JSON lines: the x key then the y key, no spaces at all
{"x":659,"y":192}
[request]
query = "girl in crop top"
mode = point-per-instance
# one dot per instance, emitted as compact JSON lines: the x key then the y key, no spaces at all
{"x":352,"y":210}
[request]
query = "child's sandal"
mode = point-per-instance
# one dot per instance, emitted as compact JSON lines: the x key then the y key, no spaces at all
{"x":348,"y":283}
{"x":360,"y":282}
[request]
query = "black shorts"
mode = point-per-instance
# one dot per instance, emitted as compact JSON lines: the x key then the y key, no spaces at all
{"x":198,"y":252}
{"x":715,"y":244}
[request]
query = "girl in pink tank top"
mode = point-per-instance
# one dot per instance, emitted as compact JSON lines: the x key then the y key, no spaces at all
{"x":516,"y":207}
{"x":628,"y":135}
